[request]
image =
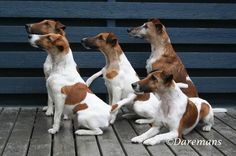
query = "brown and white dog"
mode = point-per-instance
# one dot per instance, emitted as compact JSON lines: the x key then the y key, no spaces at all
{"x":163,"y":56}
{"x":119,"y":74}
{"x":176,"y":112}
{"x":68,"y":90}
{"x":42,"y":28}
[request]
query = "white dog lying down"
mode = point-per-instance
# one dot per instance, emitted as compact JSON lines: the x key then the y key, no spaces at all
{"x":68,"y":89}
{"x":176,"y":111}
{"x":119,"y":75}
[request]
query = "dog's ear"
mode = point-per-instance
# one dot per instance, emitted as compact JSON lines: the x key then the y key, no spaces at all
{"x":59,"y":25}
{"x":53,"y":38}
{"x":112,"y":39}
{"x":167,"y":78}
{"x":157,"y":23}
{"x":154,"y":20}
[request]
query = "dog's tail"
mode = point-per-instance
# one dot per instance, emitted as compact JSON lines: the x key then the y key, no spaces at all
{"x":115,"y":107}
{"x":219,"y":110}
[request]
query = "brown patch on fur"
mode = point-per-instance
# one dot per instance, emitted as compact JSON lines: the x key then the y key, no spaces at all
{"x":79,"y":107}
{"x":108,"y":44}
{"x":46,"y":27}
{"x":53,"y":43}
{"x":189,"y":118}
{"x":75,"y":93}
{"x":111,"y":74}
{"x":142,"y":97}
{"x":156,"y":82}
{"x":171,"y":63}
{"x":113,"y":107}
{"x":204,"y":110}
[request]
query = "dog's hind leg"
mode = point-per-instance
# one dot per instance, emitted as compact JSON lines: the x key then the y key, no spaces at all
{"x":207,"y":117}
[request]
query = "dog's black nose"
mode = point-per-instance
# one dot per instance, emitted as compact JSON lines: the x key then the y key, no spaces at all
{"x":27,"y":26}
{"x":129,"y":30}
{"x":134,"y":85}
{"x":83,"y":40}
{"x":29,"y":36}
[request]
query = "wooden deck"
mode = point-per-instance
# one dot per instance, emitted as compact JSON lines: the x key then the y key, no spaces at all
{"x":23,"y":131}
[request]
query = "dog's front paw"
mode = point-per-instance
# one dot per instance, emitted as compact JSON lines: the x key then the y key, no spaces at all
{"x":137,"y":139}
{"x":45,"y":108}
{"x":49,"y":112}
{"x":206,"y":128}
{"x":65,"y":117}
{"x":53,"y":130}
{"x":151,"y":142}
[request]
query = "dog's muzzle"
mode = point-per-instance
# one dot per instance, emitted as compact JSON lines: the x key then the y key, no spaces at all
{"x":32,"y":39}
{"x":136,"y":88}
{"x":83,"y":42}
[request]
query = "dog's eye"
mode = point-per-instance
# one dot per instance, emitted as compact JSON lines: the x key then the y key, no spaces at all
{"x":145,"y":26}
{"x":100,"y":37}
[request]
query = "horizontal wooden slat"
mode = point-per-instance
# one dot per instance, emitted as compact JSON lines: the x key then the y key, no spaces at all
{"x":18,"y":34}
{"x":194,"y":60}
{"x":34,"y":85}
{"x":113,"y":10}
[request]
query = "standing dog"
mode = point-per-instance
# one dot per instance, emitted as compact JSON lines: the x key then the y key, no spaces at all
{"x":42,"y":28}
{"x":177,"y":112}
{"x":163,"y":56}
{"x":68,"y":89}
{"x":119,"y":75}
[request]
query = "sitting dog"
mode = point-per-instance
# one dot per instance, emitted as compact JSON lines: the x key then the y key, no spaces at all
{"x":119,"y":75}
{"x":176,"y":111}
{"x":42,"y":28}
{"x":68,"y":89}
{"x":163,"y":55}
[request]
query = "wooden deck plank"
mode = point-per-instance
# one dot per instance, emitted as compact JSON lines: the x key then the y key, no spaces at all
{"x":228,"y":120}
{"x":125,"y":133}
{"x":40,"y":144}
{"x":226,"y":146}
{"x":109,"y":143}
{"x":20,"y":137}
{"x":86,"y":145}
{"x":202,"y":149}
{"x":63,"y":141}
{"x":225,"y":130}
{"x":178,"y":150}
{"x":231,"y":112}
{"x":160,"y":148}
{"x":7,"y":120}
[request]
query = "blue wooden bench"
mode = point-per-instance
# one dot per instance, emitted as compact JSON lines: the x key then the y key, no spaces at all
{"x":203,"y":34}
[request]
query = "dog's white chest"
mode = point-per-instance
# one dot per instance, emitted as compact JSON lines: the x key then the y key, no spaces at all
{"x":149,"y":63}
